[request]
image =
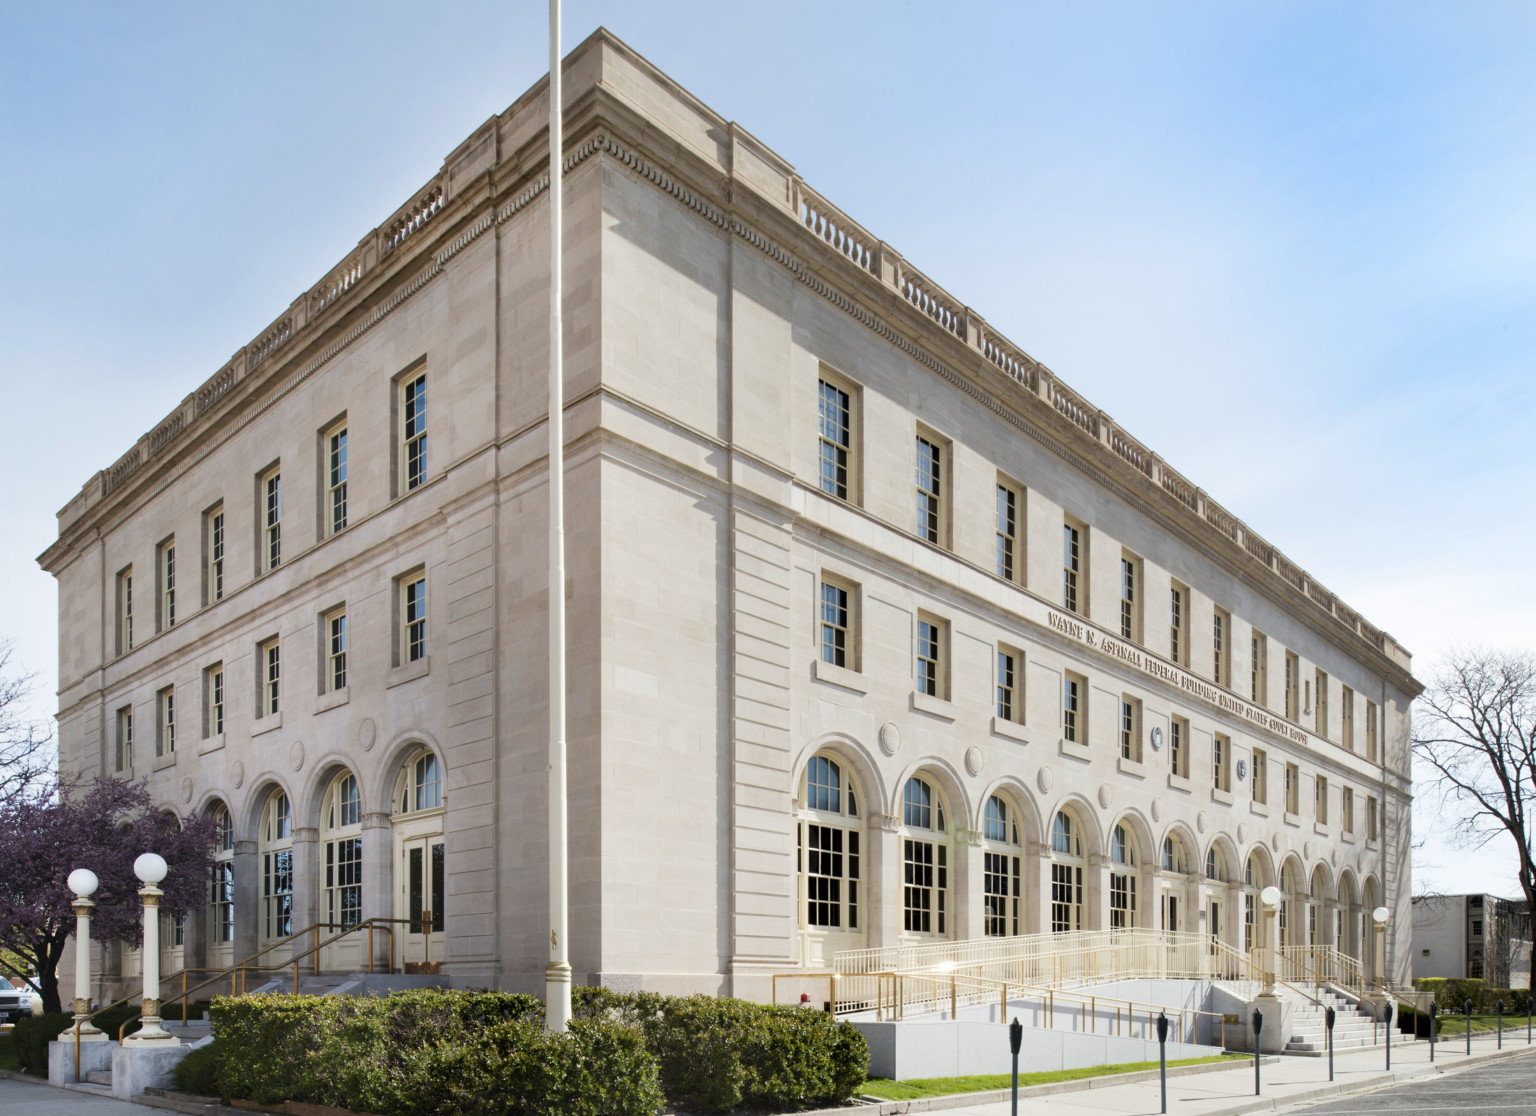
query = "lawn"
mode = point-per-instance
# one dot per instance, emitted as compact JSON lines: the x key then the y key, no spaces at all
{"x":886,"y":1089}
{"x":1457,"y":1024}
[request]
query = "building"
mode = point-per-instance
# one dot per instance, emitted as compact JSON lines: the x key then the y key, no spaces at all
{"x":878,"y":631}
{"x":1479,"y":936}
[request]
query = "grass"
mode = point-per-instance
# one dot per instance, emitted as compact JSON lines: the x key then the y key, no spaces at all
{"x":1457,"y":1024}
{"x":886,"y":1089}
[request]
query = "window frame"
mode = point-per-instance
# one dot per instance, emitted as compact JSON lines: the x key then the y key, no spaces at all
{"x":124,"y":583}
{"x":412,"y":612}
{"x":1293,"y":687}
{"x":1074,"y":708}
{"x":1009,"y":695}
{"x":269,"y":519}
{"x":165,"y":584}
{"x":1009,"y":558}
{"x":1178,"y":623}
{"x":1320,"y":701}
{"x":849,"y":606}
{"x":931,"y":672}
{"x":1131,"y":581}
{"x":213,"y":700}
{"x":411,"y":429}
{"x":932,"y":489}
{"x":269,"y":677}
{"x":850,"y":452}
{"x":1320,"y":799}
{"x":165,"y":721}
{"x":1258,"y":760}
{"x":335,"y":510}
{"x":1074,"y":566}
{"x":1347,"y":717}
{"x":1221,"y":646}
{"x":335,"y":662}
{"x":1130,"y":729}
{"x":1178,"y":746}
{"x":1347,"y":810}
{"x":1372,"y":732}
{"x":215,"y":544}
{"x":123,"y":738}
{"x":1221,"y":762}
{"x":1258,"y":669}
{"x":1293,"y":789}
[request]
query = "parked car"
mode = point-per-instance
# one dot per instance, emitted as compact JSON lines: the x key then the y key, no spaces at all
{"x":17,"y":1003}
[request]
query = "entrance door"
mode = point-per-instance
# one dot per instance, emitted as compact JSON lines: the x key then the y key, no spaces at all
{"x":1171,"y":911}
{"x":420,"y":903}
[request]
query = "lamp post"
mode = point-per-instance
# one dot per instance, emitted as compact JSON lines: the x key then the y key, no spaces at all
{"x":1270,"y":897}
{"x":151,"y":869}
{"x":1379,"y":916}
{"x":83,"y":882}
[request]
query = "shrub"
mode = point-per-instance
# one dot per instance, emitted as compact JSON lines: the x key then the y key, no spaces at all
{"x":198,"y":1071}
{"x":32,"y":1035}
{"x":1452,"y":995}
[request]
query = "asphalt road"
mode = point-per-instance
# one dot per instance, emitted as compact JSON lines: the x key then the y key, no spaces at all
{"x":1506,"y":1088}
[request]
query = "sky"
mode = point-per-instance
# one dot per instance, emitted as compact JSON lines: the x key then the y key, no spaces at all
{"x":1291,"y":246}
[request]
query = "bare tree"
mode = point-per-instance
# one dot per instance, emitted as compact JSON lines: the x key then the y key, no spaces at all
{"x":28,"y":755}
{"x":1475,"y":731}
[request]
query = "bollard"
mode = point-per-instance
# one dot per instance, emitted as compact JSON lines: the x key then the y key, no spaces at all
{"x":1328,"y":1018}
{"x":1258,"y":1025}
{"x":1469,"y":1027}
{"x":1162,"y":1055}
{"x":1434,"y":1014}
{"x":1389,"y":1007}
{"x":1500,"y":1008}
{"x":1015,"y":1040}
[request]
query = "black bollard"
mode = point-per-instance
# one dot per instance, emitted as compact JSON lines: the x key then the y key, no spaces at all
{"x":1015,"y":1040}
{"x":1434,"y":1013}
{"x":1500,"y":1007}
{"x":1469,"y":1027}
{"x":1328,"y":1016}
{"x":1258,"y":1025}
{"x":1389,"y":1034}
{"x":1162,"y":1055}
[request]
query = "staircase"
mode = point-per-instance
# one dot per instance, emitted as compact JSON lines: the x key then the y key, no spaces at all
{"x":1352,"y":1027}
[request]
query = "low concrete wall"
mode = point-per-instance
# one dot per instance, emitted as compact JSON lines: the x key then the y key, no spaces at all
{"x":61,"y":1059}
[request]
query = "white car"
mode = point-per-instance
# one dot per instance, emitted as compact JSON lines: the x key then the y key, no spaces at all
{"x":18,"y":1004}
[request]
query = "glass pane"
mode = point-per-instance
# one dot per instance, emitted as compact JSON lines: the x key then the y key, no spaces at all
{"x":414,"y":890}
{"x":437,"y":889}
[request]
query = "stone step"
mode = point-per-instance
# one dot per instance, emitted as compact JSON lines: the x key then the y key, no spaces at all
{"x":100,"y":1077}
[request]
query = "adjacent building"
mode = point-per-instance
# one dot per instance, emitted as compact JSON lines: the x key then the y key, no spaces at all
{"x":1480,"y":936}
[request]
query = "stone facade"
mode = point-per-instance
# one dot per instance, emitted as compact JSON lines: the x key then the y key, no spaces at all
{"x":710,"y":295}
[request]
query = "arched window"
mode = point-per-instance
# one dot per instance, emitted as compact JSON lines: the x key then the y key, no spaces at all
{"x":221,"y":887}
{"x":1122,"y":879}
{"x":420,"y":785}
{"x":1173,"y":855}
{"x":1066,"y":874}
{"x":1289,"y":891}
{"x":1315,"y":915}
{"x":829,"y":841}
{"x":1000,"y":878}
{"x":1215,"y":866}
{"x":925,"y":862}
{"x":277,"y":867}
{"x":343,"y":853}
{"x":1253,"y":883}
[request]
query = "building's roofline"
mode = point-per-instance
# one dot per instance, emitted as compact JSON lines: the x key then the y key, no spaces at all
{"x":852,"y":244}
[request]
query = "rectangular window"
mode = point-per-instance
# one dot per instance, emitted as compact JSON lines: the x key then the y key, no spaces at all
{"x":930,"y":657}
{"x":832,"y":876}
{"x":1292,"y":789}
{"x":1347,"y":717}
{"x":413,"y":432}
{"x":125,"y":738}
{"x":930,"y":490}
{"x":1178,"y":746}
{"x":166,"y":565}
{"x":221,"y":897}
{"x":1074,"y":720}
{"x":1370,"y":731}
{"x":269,"y":678}
{"x":1292,"y":687}
{"x":1178,"y":618}
{"x":1260,"y":776}
{"x":1130,"y":597}
{"x":836,"y":625}
{"x":1371,"y":820}
{"x":835,"y":426}
{"x":1221,"y":647}
{"x":270,"y":516}
{"x":1258,"y":671}
{"x":1072,"y":561}
{"x":213,"y":549}
{"x":335,"y":479}
{"x":1000,"y":881}
{"x":1320,"y":799}
{"x":165,"y":721}
{"x":1066,"y":898}
{"x":925,"y":873}
{"x":335,"y":651}
{"x":1007,"y":532}
{"x":1130,"y":729}
{"x":1009,"y":705}
{"x":213,"y":700}
{"x":125,"y":611}
{"x":1221,"y":762}
{"x":1322,"y":705}
{"x":413,"y":618}
{"x":1347,"y":810}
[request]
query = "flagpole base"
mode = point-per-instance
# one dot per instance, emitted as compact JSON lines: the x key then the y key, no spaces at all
{"x":557,"y":996}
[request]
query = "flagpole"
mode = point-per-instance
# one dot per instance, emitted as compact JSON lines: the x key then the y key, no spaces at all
{"x":557,"y":974}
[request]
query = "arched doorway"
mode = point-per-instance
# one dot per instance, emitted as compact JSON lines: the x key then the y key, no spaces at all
{"x":829,"y":838}
{"x":1002,"y":882}
{"x":1218,"y":878}
{"x":1067,"y":863}
{"x":924,"y":862}
{"x":274,"y":846}
{"x":341,"y":872}
{"x":1173,"y":884}
{"x":420,"y":861}
{"x":1124,"y":859}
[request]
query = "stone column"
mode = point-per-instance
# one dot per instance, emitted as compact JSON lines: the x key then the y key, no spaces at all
{"x":883,"y":866}
{"x":248,"y":909}
{"x":969,"y":902}
{"x":1096,"y":892}
{"x":378,"y":886}
{"x":308,"y":882}
{"x":1036,"y":872}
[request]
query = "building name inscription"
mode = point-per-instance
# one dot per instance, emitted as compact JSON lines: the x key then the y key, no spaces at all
{"x":1135,"y":657}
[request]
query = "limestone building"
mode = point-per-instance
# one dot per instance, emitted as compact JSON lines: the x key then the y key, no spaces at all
{"x":878,"y":631}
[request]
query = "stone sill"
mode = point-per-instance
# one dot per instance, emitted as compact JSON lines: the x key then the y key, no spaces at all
{"x":1347,"y":837}
{"x":1180,"y":783}
{"x":1132,"y":768}
{"x":845,"y":677}
{"x":268,"y":723}
{"x":1073,"y":750}
{"x":1223,"y":797}
{"x":1322,"y":829}
{"x":331,"y":700}
{"x":167,"y":760}
{"x":934,"y":706}
{"x":1011,"y":729}
{"x":1292,"y":820}
{"x":210,"y":744}
{"x":1261,"y":809}
{"x":409,"y":672}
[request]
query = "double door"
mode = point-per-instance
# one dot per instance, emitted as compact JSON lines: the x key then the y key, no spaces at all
{"x":420,"y":902}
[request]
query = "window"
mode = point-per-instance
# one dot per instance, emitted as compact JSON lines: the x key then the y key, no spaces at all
{"x":1253,"y":883}
{"x":413,"y":432}
{"x":1074,"y":721}
{"x":1347,"y":717}
{"x":269,"y":677}
{"x":1371,"y":820}
{"x":1010,"y":706}
{"x":1066,"y":875}
{"x":1122,"y":879}
{"x":1260,"y":776}
{"x":334,"y":669}
{"x":1008,"y":532}
{"x":125,"y":738}
{"x":1322,"y":705}
{"x":835,"y":426}
{"x":221,"y":891}
{"x":270,"y":517}
{"x":1001,"y":879}
{"x":1320,"y":799}
{"x":925,"y":862}
{"x":342,"y":900}
{"x":335,"y":480}
{"x":1221,"y":762}
{"x":1072,"y":567}
{"x":1215,"y":871}
{"x":836,"y":624}
{"x":125,"y":611}
{"x":930,"y":490}
{"x":1292,"y":686}
{"x":1347,"y":810}
{"x":1258,"y":671}
{"x":1130,"y":729}
{"x":931,"y":678}
{"x":1174,"y":859}
{"x":1292,"y":789}
{"x":831,"y":847}
{"x":420,"y":786}
{"x":213,"y":547}
{"x":165,"y":563}
{"x":1178,"y":617}
{"x":1130,"y":598}
{"x":165,"y":721}
{"x":1477,"y":928}
{"x":276,"y":845}
{"x":213,"y":700}
{"x":1370,"y":731}
{"x":1178,"y":746}
{"x":413,"y":618}
{"x":1221,"y":645}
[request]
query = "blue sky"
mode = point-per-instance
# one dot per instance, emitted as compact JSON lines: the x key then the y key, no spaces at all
{"x":1291,"y":246}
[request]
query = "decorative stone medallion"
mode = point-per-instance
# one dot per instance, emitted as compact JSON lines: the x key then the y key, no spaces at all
{"x":1333,"y":858}
{"x":890,"y":739}
{"x":973,"y":760}
{"x":237,"y":773}
{"x":1242,"y":834}
{"x":1043,"y":779}
{"x":1106,"y":795}
{"x":296,"y":755}
{"x":1306,"y":850}
{"x":1157,"y":738}
{"x":186,"y":790}
{"x":1242,"y":770}
{"x":1275,"y":842}
{"x":1157,"y":809}
{"x":1201,"y":821}
{"x":366,"y":732}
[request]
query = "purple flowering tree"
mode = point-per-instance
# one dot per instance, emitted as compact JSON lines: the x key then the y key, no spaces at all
{"x":103,"y":826}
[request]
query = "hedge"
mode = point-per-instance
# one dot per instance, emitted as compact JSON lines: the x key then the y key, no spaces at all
{"x":1453,"y":993}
